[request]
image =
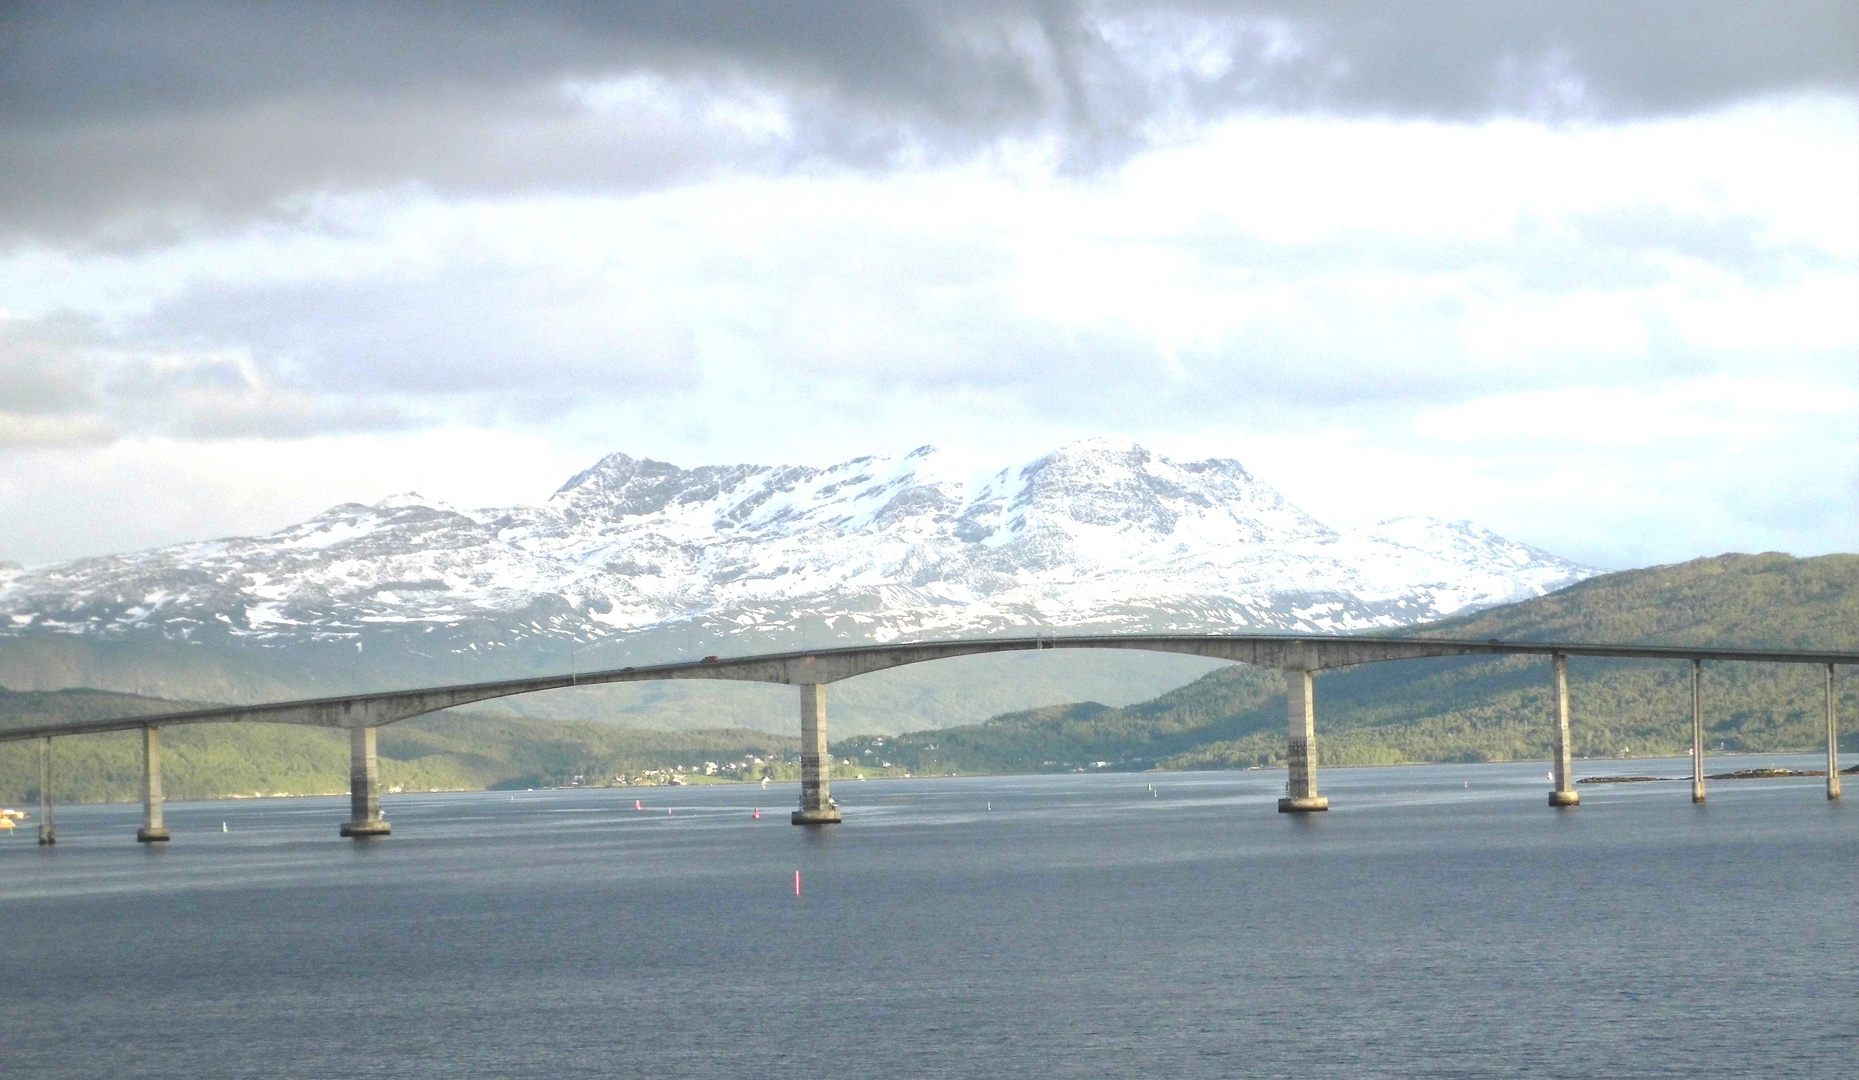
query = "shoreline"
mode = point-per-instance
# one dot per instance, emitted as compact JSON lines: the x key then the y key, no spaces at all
{"x":1742,"y":774}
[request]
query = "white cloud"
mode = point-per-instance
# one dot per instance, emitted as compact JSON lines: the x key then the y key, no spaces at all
{"x":1538,"y":325}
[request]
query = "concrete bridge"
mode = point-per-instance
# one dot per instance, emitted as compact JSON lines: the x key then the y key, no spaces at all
{"x":1299,"y":657}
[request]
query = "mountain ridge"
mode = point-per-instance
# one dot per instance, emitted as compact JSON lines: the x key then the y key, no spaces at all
{"x":633,"y":560}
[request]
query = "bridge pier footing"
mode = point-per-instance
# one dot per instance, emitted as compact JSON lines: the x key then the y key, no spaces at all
{"x":1564,"y":793}
{"x":153,"y":831}
{"x":364,"y":788}
{"x":1301,"y":747}
{"x":48,"y":833}
{"x":816,"y":761}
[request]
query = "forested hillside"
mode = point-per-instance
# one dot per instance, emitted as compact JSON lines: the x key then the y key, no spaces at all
{"x":1478,"y":709}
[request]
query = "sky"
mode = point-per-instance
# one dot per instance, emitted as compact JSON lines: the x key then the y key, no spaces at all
{"x":1585,"y":273}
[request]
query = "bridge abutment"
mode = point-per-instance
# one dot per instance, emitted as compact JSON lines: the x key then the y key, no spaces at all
{"x":153,"y":831}
{"x":1301,"y":746}
{"x":816,"y":761}
{"x":1564,"y":793}
{"x":365,"y":818}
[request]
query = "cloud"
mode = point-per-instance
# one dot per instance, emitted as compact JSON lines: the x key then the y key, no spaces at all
{"x":1349,"y":243}
{"x":130,"y":122}
{"x":1373,"y":269}
{"x":65,"y":382}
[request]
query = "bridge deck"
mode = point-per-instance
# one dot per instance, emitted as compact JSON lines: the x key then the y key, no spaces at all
{"x":1311,"y":652}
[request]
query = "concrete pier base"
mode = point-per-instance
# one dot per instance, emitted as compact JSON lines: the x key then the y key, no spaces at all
{"x":48,"y":833}
{"x":1697,"y":731}
{"x":1564,"y":793}
{"x":828,"y":816}
{"x":153,"y":831}
{"x":1301,"y":744}
{"x":364,"y":788}
{"x":816,"y":761}
{"x":1833,"y":742}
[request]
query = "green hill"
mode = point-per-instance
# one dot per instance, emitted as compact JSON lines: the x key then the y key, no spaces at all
{"x":1477,"y":709}
{"x":443,"y":751}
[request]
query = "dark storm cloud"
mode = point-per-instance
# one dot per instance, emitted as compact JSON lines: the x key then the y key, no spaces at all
{"x":142,"y":116}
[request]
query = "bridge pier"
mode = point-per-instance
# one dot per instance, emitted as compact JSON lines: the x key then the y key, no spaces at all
{"x":816,"y":761}
{"x":1833,"y":742}
{"x":364,"y":788}
{"x":1564,"y":793}
{"x":48,"y":833}
{"x":1697,"y":731}
{"x":152,"y":830}
{"x":1301,"y":747}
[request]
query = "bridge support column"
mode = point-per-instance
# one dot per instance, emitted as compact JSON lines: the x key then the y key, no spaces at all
{"x":816,"y":761}
{"x":364,"y":788}
{"x":152,"y":830}
{"x":1564,"y":793}
{"x":48,"y":833}
{"x":1697,"y":731}
{"x":1301,"y":748}
{"x":1833,"y":742}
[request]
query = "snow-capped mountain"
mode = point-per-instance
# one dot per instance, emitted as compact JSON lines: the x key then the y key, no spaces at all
{"x":641,"y":559}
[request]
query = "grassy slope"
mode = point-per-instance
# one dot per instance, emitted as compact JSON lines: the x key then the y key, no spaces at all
{"x":441,"y":751}
{"x":1480,"y":709}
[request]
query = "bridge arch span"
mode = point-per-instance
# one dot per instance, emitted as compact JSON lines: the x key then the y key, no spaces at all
{"x":1300,"y":657}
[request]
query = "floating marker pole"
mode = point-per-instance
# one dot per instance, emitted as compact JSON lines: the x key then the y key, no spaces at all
{"x":637,"y":805}
{"x":797,"y":883}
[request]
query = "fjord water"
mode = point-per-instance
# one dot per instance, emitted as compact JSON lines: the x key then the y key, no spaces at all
{"x":1441,"y":921}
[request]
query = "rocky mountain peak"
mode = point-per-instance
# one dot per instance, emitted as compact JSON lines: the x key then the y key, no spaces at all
{"x":1100,"y":533}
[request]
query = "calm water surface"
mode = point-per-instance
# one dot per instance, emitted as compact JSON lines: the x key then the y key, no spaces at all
{"x":1439,"y":922}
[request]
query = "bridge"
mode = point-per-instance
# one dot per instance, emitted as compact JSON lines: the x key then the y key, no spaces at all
{"x":1299,"y":657}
